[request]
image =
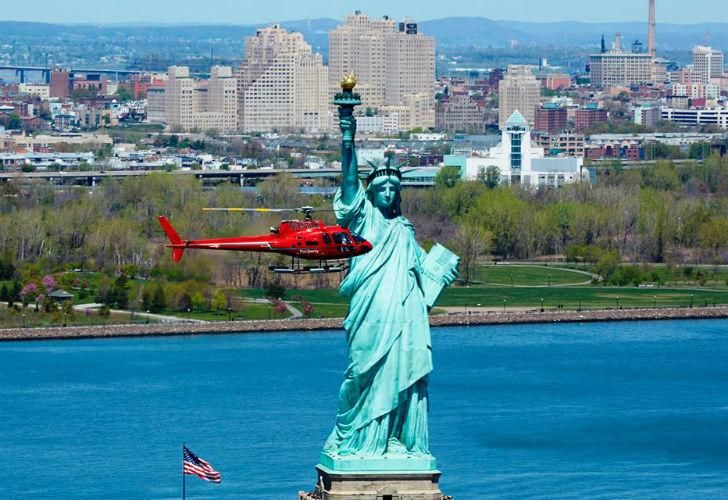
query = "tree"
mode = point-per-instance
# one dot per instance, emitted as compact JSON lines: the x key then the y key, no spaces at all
{"x":12,"y":122}
{"x":714,"y":236}
{"x":447,"y":177}
{"x":275,"y":290}
{"x":281,"y":191}
{"x":159,"y":300}
{"x":4,"y":293}
{"x":123,"y":94}
{"x":119,"y":293}
{"x":607,"y":265}
{"x":471,"y":242}
{"x":219,"y":300}
{"x":490,"y":177}
{"x":198,"y":301}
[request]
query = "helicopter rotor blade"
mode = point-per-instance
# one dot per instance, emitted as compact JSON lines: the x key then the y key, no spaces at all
{"x":266,"y":210}
{"x":303,"y":210}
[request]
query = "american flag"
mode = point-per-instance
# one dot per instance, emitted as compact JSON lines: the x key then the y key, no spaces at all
{"x":195,"y":466}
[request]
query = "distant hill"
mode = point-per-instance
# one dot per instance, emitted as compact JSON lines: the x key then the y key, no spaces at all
{"x":485,"y":32}
{"x":149,"y":45}
{"x":458,"y":31}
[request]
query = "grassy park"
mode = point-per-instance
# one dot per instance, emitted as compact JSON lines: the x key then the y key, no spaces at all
{"x":497,"y":286}
{"x":531,"y":284}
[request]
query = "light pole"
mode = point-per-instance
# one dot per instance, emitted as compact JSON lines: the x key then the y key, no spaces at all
{"x":504,"y":305}
{"x":23,"y":320}
{"x":229,"y":309}
{"x":542,"y":304}
{"x":691,"y":301}
{"x":189,"y":317}
{"x":654,"y":301}
{"x":617,"y":302}
{"x":147,"y":316}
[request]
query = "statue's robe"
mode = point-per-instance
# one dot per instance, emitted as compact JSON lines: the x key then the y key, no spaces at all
{"x":383,"y":399}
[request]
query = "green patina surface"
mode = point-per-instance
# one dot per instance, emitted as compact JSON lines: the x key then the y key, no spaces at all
{"x":381,"y":423}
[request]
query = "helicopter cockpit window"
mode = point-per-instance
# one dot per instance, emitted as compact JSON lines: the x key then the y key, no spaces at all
{"x":327,"y":239}
{"x":357,"y":238}
{"x":342,"y":239}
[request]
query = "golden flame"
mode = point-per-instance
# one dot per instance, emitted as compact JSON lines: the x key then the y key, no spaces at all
{"x":349,"y":82}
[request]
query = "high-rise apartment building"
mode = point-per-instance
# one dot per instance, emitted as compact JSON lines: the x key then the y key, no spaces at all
{"x":201,"y":104}
{"x":282,"y":84}
{"x":518,"y":91}
{"x":394,"y":64}
{"x":707,"y":64}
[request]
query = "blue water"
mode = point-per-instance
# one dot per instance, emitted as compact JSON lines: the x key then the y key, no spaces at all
{"x":627,"y":410}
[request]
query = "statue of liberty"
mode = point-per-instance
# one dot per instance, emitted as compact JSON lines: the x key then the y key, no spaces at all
{"x":383,"y":401}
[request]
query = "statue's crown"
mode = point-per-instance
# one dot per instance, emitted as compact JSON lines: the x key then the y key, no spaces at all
{"x":348,"y":83}
{"x":385,"y":170}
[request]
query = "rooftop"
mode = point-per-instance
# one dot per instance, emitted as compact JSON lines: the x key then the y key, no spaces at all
{"x":516,"y":120}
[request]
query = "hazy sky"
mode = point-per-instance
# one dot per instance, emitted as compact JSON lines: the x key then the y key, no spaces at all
{"x":262,"y":11}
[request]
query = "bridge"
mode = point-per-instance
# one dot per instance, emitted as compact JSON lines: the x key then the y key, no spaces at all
{"x":20,"y":71}
{"x":411,"y":177}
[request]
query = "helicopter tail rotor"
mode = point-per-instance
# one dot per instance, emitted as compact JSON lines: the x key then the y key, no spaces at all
{"x":177,"y":243}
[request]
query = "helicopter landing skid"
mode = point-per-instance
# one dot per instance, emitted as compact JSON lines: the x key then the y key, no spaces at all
{"x":322,"y":268}
{"x":308,"y":269}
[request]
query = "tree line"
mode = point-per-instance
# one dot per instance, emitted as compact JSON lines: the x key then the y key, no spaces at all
{"x":663,"y":213}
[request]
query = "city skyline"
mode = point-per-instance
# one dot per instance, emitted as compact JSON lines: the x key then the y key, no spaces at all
{"x":231,"y":12}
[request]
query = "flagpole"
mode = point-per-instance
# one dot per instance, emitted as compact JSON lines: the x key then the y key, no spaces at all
{"x":184,"y":493}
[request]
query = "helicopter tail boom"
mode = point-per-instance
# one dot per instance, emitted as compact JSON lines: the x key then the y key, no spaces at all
{"x":177,"y":244}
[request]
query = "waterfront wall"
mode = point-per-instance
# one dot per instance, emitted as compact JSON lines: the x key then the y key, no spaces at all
{"x":215,"y":328}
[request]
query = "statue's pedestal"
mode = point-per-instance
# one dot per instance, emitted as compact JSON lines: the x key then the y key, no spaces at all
{"x":378,"y":479}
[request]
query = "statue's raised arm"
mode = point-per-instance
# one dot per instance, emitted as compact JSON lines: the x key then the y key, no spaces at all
{"x":346,"y":101}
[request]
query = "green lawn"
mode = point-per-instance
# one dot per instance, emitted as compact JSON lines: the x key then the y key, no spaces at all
{"x":250,"y":311}
{"x":326,"y":296}
{"x":528,"y":275}
{"x":14,"y":319}
{"x":325,"y":310}
{"x":328,"y":303}
{"x":571,"y":297}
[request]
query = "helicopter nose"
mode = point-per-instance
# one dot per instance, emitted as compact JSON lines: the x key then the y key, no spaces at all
{"x":366,"y":247}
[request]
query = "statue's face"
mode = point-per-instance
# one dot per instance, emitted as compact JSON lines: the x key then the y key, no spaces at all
{"x":385,"y":194}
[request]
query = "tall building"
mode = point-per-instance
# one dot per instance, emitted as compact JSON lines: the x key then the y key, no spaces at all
{"x":61,"y":83}
{"x":394,"y":64}
{"x":618,"y":67}
{"x":156,"y":104}
{"x":651,"y":43}
{"x":282,"y":84}
{"x":519,"y":90}
{"x":201,"y":104}
{"x":707,"y":64}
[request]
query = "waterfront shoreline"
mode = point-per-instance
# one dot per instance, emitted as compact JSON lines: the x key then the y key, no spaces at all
{"x":272,"y":326}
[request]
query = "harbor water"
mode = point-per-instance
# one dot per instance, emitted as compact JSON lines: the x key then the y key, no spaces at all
{"x":567,"y":411}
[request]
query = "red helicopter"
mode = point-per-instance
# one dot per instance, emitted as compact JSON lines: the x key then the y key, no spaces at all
{"x":300,"y":239}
